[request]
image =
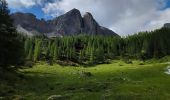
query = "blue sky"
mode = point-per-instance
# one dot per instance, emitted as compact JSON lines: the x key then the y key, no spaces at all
{"x":36,"y":10}
{"x":122,"y":16}
{"x":168,"y":3}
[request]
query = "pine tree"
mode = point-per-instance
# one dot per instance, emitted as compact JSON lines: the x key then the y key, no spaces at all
{"x":37,"y":50}
{"x":12,"y":48}
{"x":98,"y":49}
{"x":30,"y":53}
{"x":55,"y":57}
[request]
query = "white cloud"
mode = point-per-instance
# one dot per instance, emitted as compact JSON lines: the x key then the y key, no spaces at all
{"x":122,"y":16}
{"x":53,"y":9}
{"x":19,"y":4}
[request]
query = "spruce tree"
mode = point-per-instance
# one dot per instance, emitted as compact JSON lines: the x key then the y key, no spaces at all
{"x":11,"y":47}
{"x":37,"y":50}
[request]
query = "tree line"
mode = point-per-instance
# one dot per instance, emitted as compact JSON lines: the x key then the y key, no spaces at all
{"x":95,"y":49}
{"x":83,"y":49}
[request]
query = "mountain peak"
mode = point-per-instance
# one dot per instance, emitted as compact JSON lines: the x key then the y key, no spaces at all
{"x":88,"y":14}
{"x":74,"y":11}
{"x":70,"y":23}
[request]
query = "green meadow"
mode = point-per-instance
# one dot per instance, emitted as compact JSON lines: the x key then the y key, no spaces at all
{"x":116,"y":81}
{"x":72,"y":57}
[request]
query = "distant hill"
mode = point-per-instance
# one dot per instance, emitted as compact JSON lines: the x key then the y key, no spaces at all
{"x":71,"y":23}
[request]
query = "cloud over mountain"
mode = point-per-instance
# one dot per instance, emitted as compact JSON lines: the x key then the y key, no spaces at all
{"x":122,"y":16}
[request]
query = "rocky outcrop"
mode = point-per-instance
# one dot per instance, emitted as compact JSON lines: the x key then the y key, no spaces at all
{"x":167,"y":25}
{"x":30,"y":23}
{"x":55,"y":97}
{"x":106,"y":31}
{"x":24,"y":31}
{"x":90,"y":26}
{"x":71,"y":23}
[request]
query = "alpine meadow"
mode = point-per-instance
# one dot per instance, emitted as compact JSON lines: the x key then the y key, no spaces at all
{"x":73,"y":57}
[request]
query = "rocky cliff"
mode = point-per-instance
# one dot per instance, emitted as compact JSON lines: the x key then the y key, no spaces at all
{"x":71,"y":23}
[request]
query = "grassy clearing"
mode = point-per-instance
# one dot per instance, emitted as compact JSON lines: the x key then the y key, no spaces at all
{"x":116,"y":81}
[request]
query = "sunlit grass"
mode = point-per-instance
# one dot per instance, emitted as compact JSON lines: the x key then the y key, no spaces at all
{"x":119,"y":81}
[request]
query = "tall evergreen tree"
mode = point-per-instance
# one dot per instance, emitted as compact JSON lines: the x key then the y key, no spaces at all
{"x":11,"y":47}
{"x":37,"y":50}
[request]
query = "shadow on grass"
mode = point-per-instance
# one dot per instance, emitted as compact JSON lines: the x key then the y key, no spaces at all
{"x":124,"y":83}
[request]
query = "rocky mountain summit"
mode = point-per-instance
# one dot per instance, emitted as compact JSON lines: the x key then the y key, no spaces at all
{"x":71,"y":23}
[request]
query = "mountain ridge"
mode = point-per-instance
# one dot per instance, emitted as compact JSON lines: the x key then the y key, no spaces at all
{"x":70,"y":23}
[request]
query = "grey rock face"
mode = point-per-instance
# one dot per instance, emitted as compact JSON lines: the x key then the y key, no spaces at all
{"x":71,"y":23}
{"x":93,"y":28}
{"x":167,"y":25}
{"x":30,"y":23}
{"x":106,"y":31}
{"x":90,"y":26}
{"x":24,"y":31}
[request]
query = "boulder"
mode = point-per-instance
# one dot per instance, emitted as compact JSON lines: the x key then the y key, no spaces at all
{"x":55,"y":97}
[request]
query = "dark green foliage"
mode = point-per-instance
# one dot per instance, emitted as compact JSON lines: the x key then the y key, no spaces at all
{"x":37,"y":50}
{"x":81,"y":49}
{"x":147,"y":45}
{"x":92,"y":50}
{"x":11,"y":46}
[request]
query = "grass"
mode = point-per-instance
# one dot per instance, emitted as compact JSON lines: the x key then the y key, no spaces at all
{"x":116,"y":81}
